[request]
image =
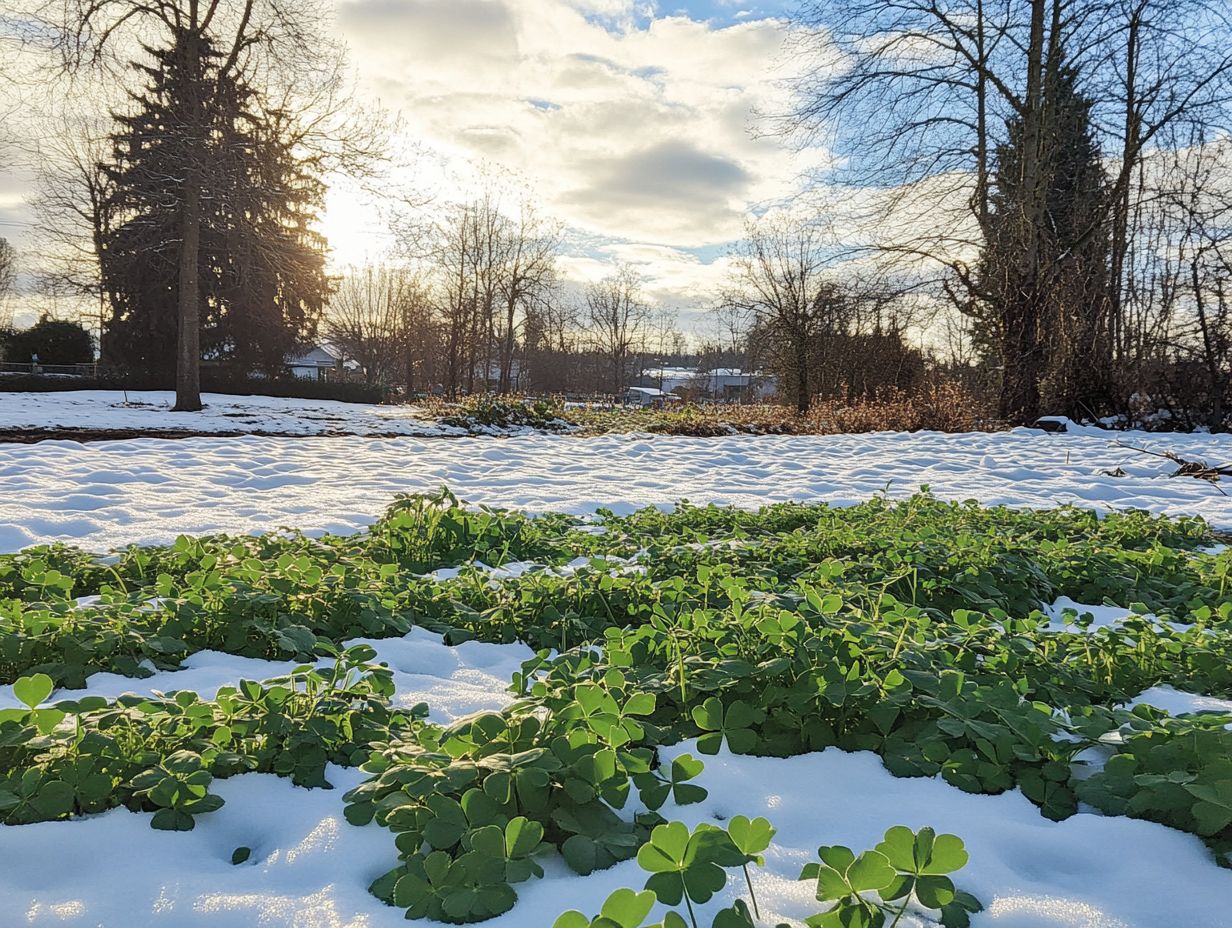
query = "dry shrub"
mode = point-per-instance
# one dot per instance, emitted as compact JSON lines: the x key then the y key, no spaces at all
{"x":939,"y":407}
{"x":943,"y":406}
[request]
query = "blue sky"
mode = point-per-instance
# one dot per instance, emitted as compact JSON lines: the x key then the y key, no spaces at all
{"x":723,"y":12}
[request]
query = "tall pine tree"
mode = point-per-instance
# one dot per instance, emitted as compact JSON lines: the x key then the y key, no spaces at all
{"x":1066,"y":348}
{"x":260,"y":264}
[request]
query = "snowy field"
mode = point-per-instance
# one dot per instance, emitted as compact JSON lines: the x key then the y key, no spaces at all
{"x":107,"y":494}
{"x":310,"y":868}
{"x":151,"y":410}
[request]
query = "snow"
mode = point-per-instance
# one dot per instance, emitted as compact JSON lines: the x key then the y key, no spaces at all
{"x":310,"y":868}
{"x":453,"y":681}
{"x":105,"y":494}
{"x":1064,"y":613}
{"x":1176,"y":702}
{"x":1029,"y":872}
{"x":151,"y":410}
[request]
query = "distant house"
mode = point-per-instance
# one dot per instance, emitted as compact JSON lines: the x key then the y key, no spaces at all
{"x":724,"y":385}
{"x":649,"y":396}
{"x":321,"y":362}
{"x":729,"y":384}
{"x":667,"y":379}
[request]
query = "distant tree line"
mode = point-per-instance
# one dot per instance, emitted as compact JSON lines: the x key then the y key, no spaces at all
{"x":488,"y":313}
{"x":1034,"y":198}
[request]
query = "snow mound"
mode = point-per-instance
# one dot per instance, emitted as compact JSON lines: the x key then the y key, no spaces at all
{"x":107,"y":494}
{"x":151,"y":410}
{"x":310,"y":868}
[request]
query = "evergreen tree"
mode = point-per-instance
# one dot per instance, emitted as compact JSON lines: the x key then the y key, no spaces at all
{"x":261,"y":267}
{"x":1068,"y":351}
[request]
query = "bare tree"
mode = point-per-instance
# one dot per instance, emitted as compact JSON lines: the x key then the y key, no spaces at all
{"x":778,"y":284}
{"x":72,"y":207}
{"x":8,"y":277}
{"x":467,"y":253}
{"x":526,"y":276}
{"x":661,"y":337}
{"x":493,"y":269}
{"x":616,"y":319}
{"x":551,"y":344}
{"x":1200,"y":324}
{"x":919,"y":94}
{"x":373,"y":318}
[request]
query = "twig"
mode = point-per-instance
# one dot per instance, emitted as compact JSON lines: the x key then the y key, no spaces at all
{"x":1199,"y":469}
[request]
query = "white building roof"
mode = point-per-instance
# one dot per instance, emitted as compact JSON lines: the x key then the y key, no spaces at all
{"x":316,"y":356}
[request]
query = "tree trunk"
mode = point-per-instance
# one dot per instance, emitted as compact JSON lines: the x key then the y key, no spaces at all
{"x":804,"y":396}
{"x":188,"y":356}
{"x":981,"y":141}
{"x":1209,"y":355}
{"x":1121,"y":203}
{"x":506,"y":374}
{"x":1019,"y":400}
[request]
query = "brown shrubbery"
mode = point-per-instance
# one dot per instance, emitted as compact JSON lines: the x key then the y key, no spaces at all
{"x":940,"y":407}
{"x":943,"y":407}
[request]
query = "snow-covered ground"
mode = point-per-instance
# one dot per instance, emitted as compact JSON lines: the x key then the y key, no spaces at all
{"x":453,"y":681}
{"x":151,"y":410}
{"x":106,"y":494}
{"x":310,"y":868}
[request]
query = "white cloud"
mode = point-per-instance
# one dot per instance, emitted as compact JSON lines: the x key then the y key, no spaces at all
{"x":633,"y":127}
{"x":634,"y":130}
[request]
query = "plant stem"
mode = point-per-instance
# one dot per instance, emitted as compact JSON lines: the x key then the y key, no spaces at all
{"x":689,"y":904}
{"x":752,"y":895}
{"x":898,"y":917}
{"x":684,"y":692}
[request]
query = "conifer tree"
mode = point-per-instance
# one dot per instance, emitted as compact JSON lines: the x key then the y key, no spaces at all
{"x":1067,"y":351}
{"x":258,"y":262}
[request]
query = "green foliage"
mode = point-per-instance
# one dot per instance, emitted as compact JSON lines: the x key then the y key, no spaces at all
{"x":54,"y":341}
{"x":271,"y":597}
{"x":908,"y":629}
{"x":1177,"y":771}
{"x":486,"y":412}
{"x":906,"y":870}
{"x":160,"y":754}
{"x":550,"y":771}
{"x":623,"y":909}
{"x":685,"y":866}
{"x":733,"y":724}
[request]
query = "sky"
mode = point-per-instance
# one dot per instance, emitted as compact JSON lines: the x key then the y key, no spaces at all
{"x":632,"y":122}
